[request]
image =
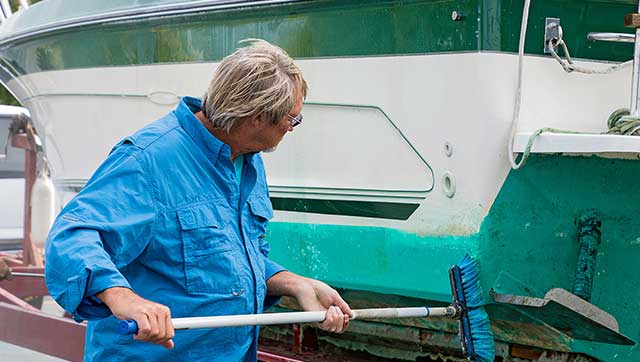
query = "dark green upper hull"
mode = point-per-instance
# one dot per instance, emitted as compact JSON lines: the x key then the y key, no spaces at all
{"x":309,"y":29}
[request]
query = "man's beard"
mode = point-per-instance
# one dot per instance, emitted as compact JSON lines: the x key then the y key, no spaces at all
{"x":271,"y":149}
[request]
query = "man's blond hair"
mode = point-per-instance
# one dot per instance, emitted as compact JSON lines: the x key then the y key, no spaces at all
{"x":258,"y":80}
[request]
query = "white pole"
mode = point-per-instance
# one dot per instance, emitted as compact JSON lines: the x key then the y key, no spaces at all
{"x":247,"y":320}
{"x":24,"y":4}
{"x":305,"y":317}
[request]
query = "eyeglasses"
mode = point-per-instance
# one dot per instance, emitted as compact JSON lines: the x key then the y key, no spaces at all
{"x":295,"y":120}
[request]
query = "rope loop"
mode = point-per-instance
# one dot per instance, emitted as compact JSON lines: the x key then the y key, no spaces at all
{"x":569,"y":66}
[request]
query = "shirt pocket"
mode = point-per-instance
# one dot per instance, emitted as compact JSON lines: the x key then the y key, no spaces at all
{"x":261,"y":212}
{"x":210,"y":251}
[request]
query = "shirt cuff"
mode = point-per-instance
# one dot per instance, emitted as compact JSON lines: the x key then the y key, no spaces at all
{"x":91,"y":308}
{"x":83,"y":288}
{"x":271,"y":268}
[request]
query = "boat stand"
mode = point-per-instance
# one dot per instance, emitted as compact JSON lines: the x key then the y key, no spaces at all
{"x":22,"y":285}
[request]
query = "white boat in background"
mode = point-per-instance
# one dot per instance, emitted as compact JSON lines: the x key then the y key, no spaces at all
{"x":11,"y":183}
{"x":402,"y":165}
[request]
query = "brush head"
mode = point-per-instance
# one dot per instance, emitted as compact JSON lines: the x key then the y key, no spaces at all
{"x":476,"y":338}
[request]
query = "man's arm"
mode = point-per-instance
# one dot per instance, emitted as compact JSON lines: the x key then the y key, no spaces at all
{"x":312,"y":295}
{"x":104,"y":228}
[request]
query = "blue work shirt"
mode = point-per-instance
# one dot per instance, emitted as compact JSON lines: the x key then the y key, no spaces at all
{"x":164,"y":216}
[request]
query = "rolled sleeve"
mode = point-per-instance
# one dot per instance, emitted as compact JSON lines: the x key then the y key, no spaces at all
{"x":105,"y":227}
{"x":271,"y":268}
{"x":79,"y":296}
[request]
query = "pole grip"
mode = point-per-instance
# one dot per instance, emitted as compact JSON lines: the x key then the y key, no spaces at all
{"x":127,"y":327}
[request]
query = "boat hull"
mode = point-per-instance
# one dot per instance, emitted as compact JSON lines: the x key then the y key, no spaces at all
{"x":401,"y":166}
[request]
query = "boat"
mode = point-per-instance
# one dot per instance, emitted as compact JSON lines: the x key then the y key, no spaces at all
{"x":11,"y":183}
{"x":405,"y":161}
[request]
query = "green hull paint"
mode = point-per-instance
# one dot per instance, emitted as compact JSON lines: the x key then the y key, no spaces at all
{"x":577,"y":17}
{"x":531,"y":234}
{"x":527,"y":245}
{"x":324,"y":29}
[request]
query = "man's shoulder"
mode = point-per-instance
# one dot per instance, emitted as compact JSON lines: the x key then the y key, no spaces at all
{"x":155,"y":131}
{"x":152,"y":138}
{"x":156,"y":144}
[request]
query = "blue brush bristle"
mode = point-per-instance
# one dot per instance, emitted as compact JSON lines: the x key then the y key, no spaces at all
{"x":481,"y":336}
{"x":470,"y":281}
{"x":483,"y":344}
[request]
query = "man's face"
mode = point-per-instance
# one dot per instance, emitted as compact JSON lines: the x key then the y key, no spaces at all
{"x":271,"y":135}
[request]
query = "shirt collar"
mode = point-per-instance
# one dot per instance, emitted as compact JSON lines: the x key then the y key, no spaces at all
{"x":198,"y":132}
{"x":211,"y":145}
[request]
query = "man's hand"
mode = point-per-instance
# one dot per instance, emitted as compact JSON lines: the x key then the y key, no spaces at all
{"x":313,"y":295}
{"x":154,"y":320}
{"x":316,"y":295}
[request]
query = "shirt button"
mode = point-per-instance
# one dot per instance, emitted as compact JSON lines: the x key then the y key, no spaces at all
{"x":237,"y":293}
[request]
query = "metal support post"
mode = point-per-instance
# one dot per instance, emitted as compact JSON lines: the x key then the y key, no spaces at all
{"x":30,"y":256}
{"x":8,"y":297}
{"x":25,"y":282}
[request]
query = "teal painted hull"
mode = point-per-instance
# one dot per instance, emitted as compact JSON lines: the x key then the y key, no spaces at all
{"x":531,"y":235}
{"x":527,"y":245}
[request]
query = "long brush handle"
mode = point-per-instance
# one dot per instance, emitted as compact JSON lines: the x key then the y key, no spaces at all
{"x":131,"y":327}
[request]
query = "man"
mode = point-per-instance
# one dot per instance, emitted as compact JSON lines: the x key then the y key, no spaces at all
{"x":173,"y":223}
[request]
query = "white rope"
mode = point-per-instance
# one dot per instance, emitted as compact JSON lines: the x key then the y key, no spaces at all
{"x":516,"y":105}
{"x":569,"y":66}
